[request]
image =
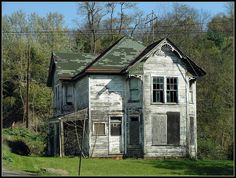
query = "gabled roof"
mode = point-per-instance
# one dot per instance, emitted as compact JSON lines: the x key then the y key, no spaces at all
{"x":119,"y":58}
{"x":68,"y":65}
{"x":191,"y":67}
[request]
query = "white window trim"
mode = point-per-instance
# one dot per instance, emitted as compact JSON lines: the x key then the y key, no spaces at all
{"x":97,"y":122}
{"x":165,"y":90}
{"x":139,"y":90}
{"x":121,"y":122}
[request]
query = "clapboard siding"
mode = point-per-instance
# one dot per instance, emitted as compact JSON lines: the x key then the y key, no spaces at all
{"x":106,"y":100}
{"x":166,"y":66}
{"x":81,"y":93}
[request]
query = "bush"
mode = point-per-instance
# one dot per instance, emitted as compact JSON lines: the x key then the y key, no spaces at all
{"x":24,"y":141}
{"x":207,"y":149}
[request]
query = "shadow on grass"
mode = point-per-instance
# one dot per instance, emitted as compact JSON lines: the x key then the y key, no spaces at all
{"x":191,"y":167}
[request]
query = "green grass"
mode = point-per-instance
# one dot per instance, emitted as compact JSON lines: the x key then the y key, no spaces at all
{"x":107,"y":167}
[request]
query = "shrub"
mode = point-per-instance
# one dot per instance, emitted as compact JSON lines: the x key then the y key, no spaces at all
{"x":24,"y":141}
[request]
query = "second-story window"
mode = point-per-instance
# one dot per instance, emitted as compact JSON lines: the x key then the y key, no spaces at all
{"x":158,"y":89}
{"x":134,"y":89}
{"x":164,"y":89}
{"x":171,"y":89}
{"x":68,"y":94}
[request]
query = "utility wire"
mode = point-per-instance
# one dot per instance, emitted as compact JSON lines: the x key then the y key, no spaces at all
{"x":89,"y":31}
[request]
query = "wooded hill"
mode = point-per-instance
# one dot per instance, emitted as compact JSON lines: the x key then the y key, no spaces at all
{"x":208,"y":41}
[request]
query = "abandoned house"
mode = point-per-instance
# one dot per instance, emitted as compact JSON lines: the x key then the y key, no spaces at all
{"x":131,"y":100}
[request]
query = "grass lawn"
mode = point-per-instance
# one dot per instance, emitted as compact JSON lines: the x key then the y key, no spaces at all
{"x":107,"y":167}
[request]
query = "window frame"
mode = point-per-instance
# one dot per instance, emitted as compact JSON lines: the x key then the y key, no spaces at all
{"x":120,"y":122}
{"x":171,"y":90}
{"x":97,"y":122}
{"x":131,"y":89}
{"x":165,"y":90}
{"x":152,"y":83}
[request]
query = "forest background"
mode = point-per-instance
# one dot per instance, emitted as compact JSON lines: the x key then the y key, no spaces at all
{"x":208,"y":41}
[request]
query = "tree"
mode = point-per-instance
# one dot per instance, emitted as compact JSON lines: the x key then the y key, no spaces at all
{"x":93,"y":13}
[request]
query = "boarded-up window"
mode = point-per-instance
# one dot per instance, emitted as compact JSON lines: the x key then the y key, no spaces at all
{"x":171,"y":90}
{"x":115,"y":124}
{"x":166,"y":129}
{"x":173,"y":128}
{"x":134,"y":130}
{"x":159,"y":130}
{"x":99,"y":129}
{"x":191,"y":130}
{"x":158,"y":89}
{"x":134,"y":89}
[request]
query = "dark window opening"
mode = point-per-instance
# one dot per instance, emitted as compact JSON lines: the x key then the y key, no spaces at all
{"x":115,"y":129}
{"x":171,"y":90}
{"x":158,"y":89}
{"x":173,"y":128}
{"x":115,"y":126}
{"x":134,"y":130}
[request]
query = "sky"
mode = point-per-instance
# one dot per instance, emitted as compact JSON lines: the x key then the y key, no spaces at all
{"x":69,"y":9}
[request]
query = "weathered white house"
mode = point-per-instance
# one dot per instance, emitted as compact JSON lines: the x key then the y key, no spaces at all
{"x":131,"y":100}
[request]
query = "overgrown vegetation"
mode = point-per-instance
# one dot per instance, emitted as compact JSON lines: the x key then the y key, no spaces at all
{"x":23,"y":141}
{"x":208,"y":41}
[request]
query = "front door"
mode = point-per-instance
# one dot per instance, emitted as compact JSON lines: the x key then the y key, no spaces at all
{"x":134,"y":137}
{"x":115,"y":132}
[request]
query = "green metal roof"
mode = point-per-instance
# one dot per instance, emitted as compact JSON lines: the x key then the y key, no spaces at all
{"x":119,"y":56}
{"x":70,"y":64}
{"x":122,"y":56}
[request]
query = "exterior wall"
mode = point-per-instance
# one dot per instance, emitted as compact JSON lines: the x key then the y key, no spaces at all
{"x":57,"y":102}
{"x":81,"y":93}
{"x":106,"y":99}
{"x":166,"y":65}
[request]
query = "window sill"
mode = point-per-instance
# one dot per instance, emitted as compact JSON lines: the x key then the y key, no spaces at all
{"x":168,"y":145}
{"x":133,"y":101}
{"x":165,"y":103}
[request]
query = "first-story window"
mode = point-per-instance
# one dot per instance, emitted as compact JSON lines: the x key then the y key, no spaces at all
{"x":115,"y":126}
{"x":98,"y":128}
{"x":158,"y":89}
{"x":166,"y":129}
